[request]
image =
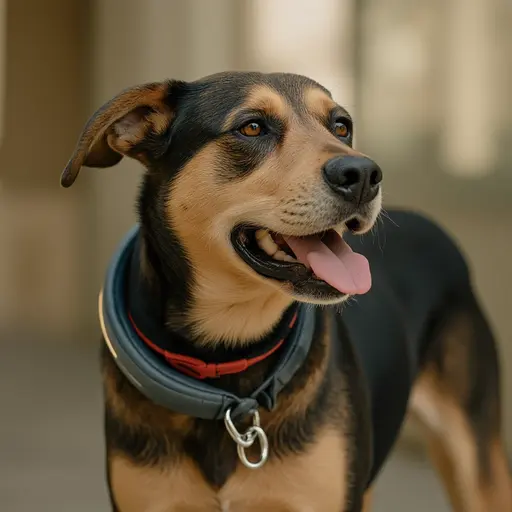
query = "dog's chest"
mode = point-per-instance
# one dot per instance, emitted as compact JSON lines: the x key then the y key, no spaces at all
{"x":310,"y":481}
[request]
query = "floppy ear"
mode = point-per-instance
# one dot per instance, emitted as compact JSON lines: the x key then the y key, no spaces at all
{"x":120,"y":128}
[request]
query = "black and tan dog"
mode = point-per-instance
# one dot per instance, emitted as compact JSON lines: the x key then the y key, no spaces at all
{"x":251,"y":213}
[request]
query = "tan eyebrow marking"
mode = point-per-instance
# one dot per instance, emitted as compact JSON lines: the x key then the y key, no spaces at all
{"x":263,"y":98}
{"x":318,"y":103}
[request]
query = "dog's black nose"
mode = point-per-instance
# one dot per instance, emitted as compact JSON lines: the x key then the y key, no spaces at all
{"x":354,"y":178}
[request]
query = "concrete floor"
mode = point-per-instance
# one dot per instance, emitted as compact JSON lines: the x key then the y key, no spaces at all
{"x":51,"y":447}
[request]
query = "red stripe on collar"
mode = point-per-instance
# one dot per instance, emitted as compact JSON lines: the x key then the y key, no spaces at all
{"x":200,"y":369}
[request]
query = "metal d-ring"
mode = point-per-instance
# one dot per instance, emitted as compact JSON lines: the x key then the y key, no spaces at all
{"x":262,"y":437}
{"x":247,"y":439}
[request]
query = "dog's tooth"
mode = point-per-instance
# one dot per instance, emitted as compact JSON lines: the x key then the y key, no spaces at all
{"x":261,"y":233}
{"x":282,"y":256}
{"x":267,"y":244}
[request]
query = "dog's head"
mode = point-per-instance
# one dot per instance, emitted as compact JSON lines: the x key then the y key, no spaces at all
{"x":252,"y":179}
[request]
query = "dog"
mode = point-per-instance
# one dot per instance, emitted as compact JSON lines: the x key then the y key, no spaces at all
{"x":267,"y":328}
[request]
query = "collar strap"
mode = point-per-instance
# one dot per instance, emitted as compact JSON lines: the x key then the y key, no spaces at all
{"x":194,"y":367}
{"x":171,"y":389}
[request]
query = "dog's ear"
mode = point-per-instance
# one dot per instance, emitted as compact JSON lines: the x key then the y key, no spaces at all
{"x":122,"y":127}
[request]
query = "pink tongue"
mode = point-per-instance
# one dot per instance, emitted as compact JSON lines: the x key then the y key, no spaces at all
{"x":334,"y":263}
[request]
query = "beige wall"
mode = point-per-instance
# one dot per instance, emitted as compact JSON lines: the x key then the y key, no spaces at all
{"x":3,"y":51}
{"x":40,"y":225}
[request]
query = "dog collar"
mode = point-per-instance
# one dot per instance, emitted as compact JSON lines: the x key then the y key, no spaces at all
{"x":167,"y":387}
{"x":147,"y":317}
{"x":199,"y":369}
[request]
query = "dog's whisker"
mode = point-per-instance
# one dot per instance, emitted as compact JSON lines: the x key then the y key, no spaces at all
{"x":384,"y":213}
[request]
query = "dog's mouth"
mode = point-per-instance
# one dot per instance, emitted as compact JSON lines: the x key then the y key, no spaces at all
{"x":323,"y":257}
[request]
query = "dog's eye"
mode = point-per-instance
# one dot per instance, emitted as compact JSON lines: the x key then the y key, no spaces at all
{"x":252,"y":129}
{"x":341,"y":129}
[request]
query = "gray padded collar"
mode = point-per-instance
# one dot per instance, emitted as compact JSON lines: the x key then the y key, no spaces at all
{"x":167,"y":387}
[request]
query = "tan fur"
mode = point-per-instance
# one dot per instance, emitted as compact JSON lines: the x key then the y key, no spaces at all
{"x":262,"y":98}
{"x":96,"y":147}
{"x":499,"y":492}
{"x":453,"y":450}
{"x":145,"y":489}
{"x":302,"y":484}
{"x":368,"y":501}
{"x":298,"y":403}
{"x":135,"y":410}
{"x":456,"y":358}
{"x":134,"y":128}
{"x":318,"y":103}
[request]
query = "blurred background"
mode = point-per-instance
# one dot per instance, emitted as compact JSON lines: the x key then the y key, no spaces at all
{"x":427,"y":82}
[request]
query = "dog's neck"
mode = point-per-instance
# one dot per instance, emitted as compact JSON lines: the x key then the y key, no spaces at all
{"x":232,"y":318}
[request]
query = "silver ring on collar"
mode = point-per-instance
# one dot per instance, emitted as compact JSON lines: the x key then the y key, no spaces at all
{"x":247,"y":439}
